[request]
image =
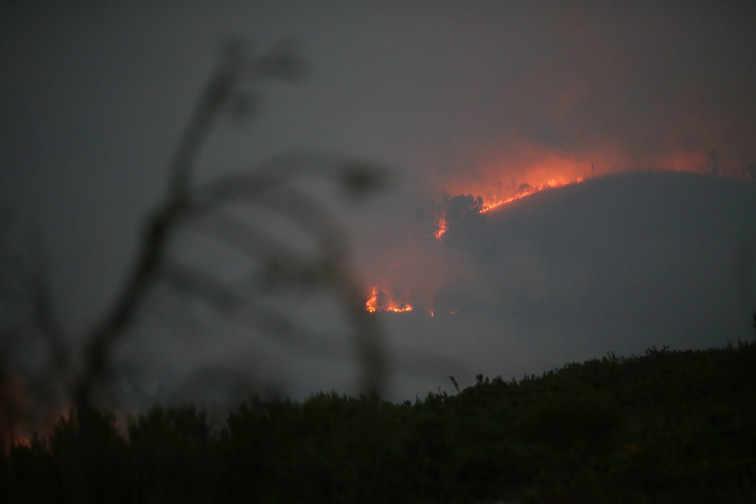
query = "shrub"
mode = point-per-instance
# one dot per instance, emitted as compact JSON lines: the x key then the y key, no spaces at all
{"x":560,"y":422}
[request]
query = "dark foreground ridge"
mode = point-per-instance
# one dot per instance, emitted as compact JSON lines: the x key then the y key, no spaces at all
{"x":668,"y":426}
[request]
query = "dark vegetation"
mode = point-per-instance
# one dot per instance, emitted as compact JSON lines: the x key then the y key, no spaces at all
{"x":669,"y":426}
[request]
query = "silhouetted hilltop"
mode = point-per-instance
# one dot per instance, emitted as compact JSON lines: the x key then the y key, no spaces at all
{"x":666,"y":426}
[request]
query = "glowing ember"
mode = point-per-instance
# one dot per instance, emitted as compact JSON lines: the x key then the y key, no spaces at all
{"x":380,"y":300}
{"x":441,"y":227}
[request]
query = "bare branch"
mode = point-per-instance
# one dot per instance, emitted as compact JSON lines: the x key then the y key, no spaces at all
{"x":246,"y":311}
{"x":44,"y":311}
{"x":211,"y":102}
{"x":183,"y":204}
{"x":356,"y":178}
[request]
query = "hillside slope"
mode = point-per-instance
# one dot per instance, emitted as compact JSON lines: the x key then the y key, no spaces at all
{"x":618,"y":263}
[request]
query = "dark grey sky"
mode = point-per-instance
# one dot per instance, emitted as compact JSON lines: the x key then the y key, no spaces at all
{"x":455,"y":97}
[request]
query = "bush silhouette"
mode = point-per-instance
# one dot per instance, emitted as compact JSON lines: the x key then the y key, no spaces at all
{"x":591,"y":420}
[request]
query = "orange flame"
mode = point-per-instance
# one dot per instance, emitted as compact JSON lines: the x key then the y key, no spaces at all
{"x":511,"y":172}
{"x":379,"y":300}
{"x":441,"y":227}
{"x":492,"y":201}
{"x":526,"y":190}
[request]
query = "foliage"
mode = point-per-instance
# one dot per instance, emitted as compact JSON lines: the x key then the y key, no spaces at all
{"x":668,"y":426}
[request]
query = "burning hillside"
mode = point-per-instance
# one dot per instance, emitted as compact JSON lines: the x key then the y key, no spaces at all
{"x":467,"y":212}
{"x":483,"y":205}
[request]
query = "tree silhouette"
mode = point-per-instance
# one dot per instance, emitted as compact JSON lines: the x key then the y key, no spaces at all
{"x":464,"y":218}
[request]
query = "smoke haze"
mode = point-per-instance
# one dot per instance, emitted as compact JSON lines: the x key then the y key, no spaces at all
{"x":456,"y":99}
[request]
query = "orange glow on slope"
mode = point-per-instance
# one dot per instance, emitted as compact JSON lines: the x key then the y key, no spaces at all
{"x":517,"y":173}
{"x":477,"y":182}
{"x":517,"y":170}
{"x":520,"y":168}
{"x":379,"y":300}
{"x":526,"y":190}
{"x":497,"y":187}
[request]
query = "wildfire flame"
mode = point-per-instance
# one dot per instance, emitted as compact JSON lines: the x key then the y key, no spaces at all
{"x":441,"y":227}
{"x":498,"y":179}
{"x":491,"y":203}
{"x":526,"y":190}
{"x":379,"y":300}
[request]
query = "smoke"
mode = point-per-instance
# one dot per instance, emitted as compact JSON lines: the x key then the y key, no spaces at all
{"x":620,"y":88}
{"x":459,"y":100}
{"x":618,"y":263}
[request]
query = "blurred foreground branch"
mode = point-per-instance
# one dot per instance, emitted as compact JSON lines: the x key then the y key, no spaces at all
{"x":206,"y":207}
